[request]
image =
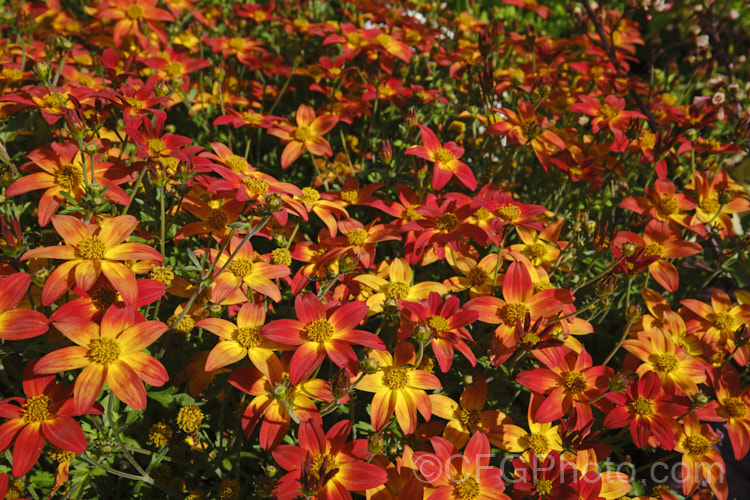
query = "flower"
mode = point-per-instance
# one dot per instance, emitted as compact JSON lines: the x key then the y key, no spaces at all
{"x":18,"y":324}
{"x":322,"y":331}
{"x":700,"y":460}
{"x":461,"y":477}
{"x":545,"y":479}
{"x":308,"y":135}
{"x":245,"y":339}
{"x":326,"y":465}
{"x":45,"y":415}
{"x":130,"y":14}
{"x":398,"y":388}
{"x":732,"y":405}
{"x":445,"y":159}
{"x":90,"y":251}
{"x":110,"y":352}
{"x":611,"y":114}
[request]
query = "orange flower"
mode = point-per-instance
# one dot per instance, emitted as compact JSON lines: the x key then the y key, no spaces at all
{"x":716,"y":324}
{"x":710,"y":210}
{"x":700,"y":460}
{"x":611,"y":114}
{"x":662,"y":203}
{"x":398,"y":388}
{"x":446,"y":160}
{"x":130,"y":13}
{"x":112,"y":353}
{"x":91,"y":251}
{"x":244,"y":339}
{"x":308,"y":135}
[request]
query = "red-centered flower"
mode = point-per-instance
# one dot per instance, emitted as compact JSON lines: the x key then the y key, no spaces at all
{"x":459,"y":476}
{"x":665,"y":242}
{"x":545,"y":479}
{"x":322,"y":331}
{"x":525,"y":127}
{"x":244,"y":339}
{"x":399,"y":387}
{"x":519,"y":300}
{"x":18,"y":324}
{"x":445,"y":323}
{"x":732,"y":406}
{"x":326,"y":466}
{"x":59,"y":168}
{"x":130,"y":14}
{"x":445,"y":158}
{"x":662,"y":203}
{"x":90,"y":251}
{"x":611,"y":114}
{"x":467,"y":416}
{"x":245,"y":272}
{"x":650,"y":412}
{"x":569,"y":380}
{"x":45,"y":415}
{"x":659,"y":353}
{"x":277,"y":399}
{"x":308,"y":135}
{"x":112,"y":353}
{"x":700,"y":460}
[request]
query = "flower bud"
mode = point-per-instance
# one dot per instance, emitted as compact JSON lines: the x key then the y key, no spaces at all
{"x":42,"y":70}
{"x":619,"y":383}
{"x":375,"y":443}
{"x":633,"y":313}
{"x":280,"y":392}
{"x":700,"y":400}
{"x":390,"y":306}
{"x":742,"y":335}
{"x":606,"y":286}
{"x":628,"y":248}
{"x":421,"y":332}
{"x":590,"y":227}
{"x":340,"y":384}
{"x":725,"y":196}
{"x":369,"y":366}
{"x":386,"y":151}
{"x":274,"y":202}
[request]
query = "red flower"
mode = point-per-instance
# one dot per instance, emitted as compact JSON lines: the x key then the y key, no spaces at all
{"x":548,"y":479}
{"x":610,"y":115}
{"x":445,"y":159}
{"x":46,"y":415}
{"x":326,"y":465}
{"x":322,"y":331}
{"x":18,"y":324}
{"x":308,"y":135}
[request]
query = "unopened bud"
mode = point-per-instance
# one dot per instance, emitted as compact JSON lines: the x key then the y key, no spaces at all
{"x":369,"y":366}
{"x":619,"y":383}
{"x":628,"y":248}
{"x":274,"y":202}
{"x":340,"y":384}
{"x":41,"y":70}
{"x":375,"y":443}
{"x":633,"y":313}
{"x":606,"y":286}
{"x":386,"y":151}
{"x":421,"y":332}
{"x":390,"y":306}
{"x":742,"y":335}
{"x":590,"y":227}
{"x":725,"y":196}
{"x":700,"y":400}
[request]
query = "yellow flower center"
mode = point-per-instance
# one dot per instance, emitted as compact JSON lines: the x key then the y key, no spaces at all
{"x":665,"y":362}
{"x":104,"y":350}
{"x":350,"y":196}
{"x":442,"y":155}
{"x":483,"y":215}
{"x":395,"y":378}
{"x":281,"y":256}
{"x":51,"y":103}
{"x":438,"y":323}
{"x":155,"y":146}
{"x":710,"y":144}
{"x":162,"y":274}
{"x":667,"y":206}
{"x":543,"y":487}
{"x":104,"y":297}
{"x":513,"y":311}
{"x":539,"y":444}
{"x":648,"y":140}
{"x":354,"y":39}
{"x":248,"y":338}
{"x":320,"y":330}
{"x":322,"y":464}
{"x":251,"y":117}
{"x":446,"y":222}
{"x":735,"y":407}
{"x":255,"y":186}
{"x":36,"y":409}
{"x":696,"y":444}
{"x":236,"y":163}
{"x":574,"y":382}
{"x":470,"y":418}
{"x":466,"y":488}
{"x":508,"y":213}
{"x":536,"y":250}
{"x":411,"y":214}
{"x":185,"y":326}
{"x":134,"y":12}
{"x":653,"y":249}
{"x":477,"y":276}
{"x":310,"y":195}
{"x":237,"y":44}
{"x":357,"y":237}
{"x":240,"y":267}
{"x":710,"y":205}
{"x":217,"y":219}
{"x":159,"y":434}
{"x":91,"y":248}
{"x":12,"y":74}
{"x":643,"y":406}
{"x":530,"y":338}
{"x":189,"y":419}
{"x":302,"y":134}
{"x":542,"y":285}
{"x":608,"y":112}
{"x":174,"y":69}
{"x":723,"y":321}
{"x":136,"y":105}
{"x":61,"y":456}
{"x":69,"y":177}
{"x":396,"y":290}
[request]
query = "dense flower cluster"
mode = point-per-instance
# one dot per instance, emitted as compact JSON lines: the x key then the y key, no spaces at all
{"x":376,"y":249}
